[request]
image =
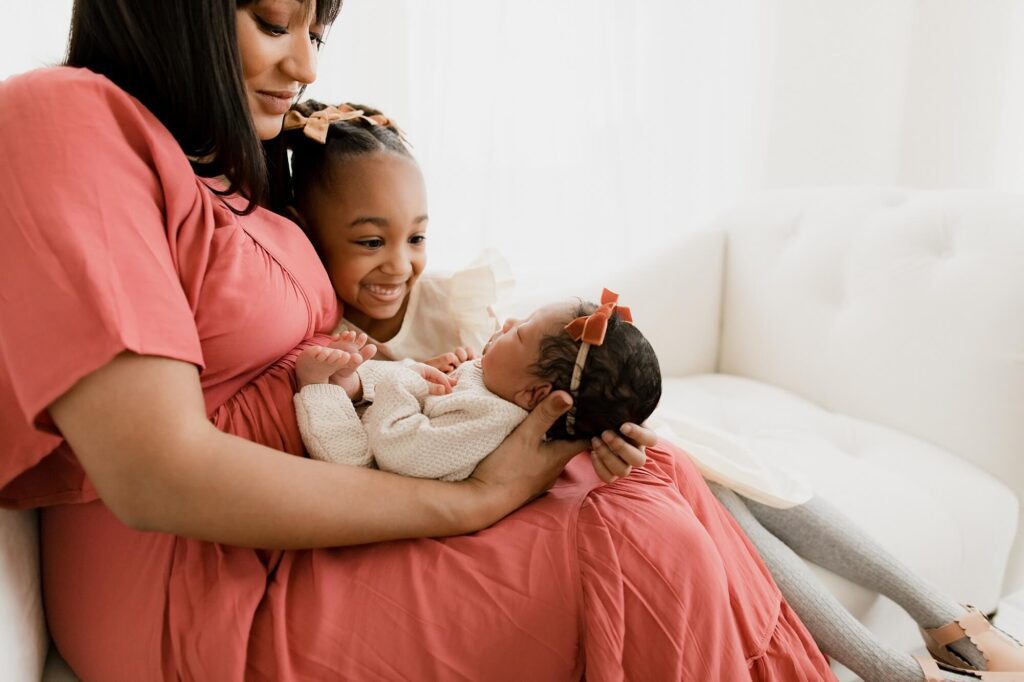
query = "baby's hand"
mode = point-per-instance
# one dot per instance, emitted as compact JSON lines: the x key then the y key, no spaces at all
{"x":438,"y":383}
{"x":446,"y":362}
{"x":351,"y":342}
{"x":317,"y":364}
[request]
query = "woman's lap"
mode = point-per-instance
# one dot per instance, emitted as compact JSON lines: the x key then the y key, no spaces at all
{"x":626,"y":580}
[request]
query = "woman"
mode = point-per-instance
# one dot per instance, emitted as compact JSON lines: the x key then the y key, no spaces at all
{"x":149,"y":323}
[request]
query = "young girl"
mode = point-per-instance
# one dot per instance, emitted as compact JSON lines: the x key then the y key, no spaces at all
{"x":360,"y":197}
{"x":362,"y":201}
{"x":592,"y":352}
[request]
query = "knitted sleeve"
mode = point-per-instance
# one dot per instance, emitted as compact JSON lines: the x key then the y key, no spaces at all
{"x":330,"y":427}
{"x":444,"y":440}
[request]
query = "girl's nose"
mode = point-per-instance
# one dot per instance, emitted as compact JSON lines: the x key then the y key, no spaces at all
{"x":509,"y":323}
{"x":397,"y":263}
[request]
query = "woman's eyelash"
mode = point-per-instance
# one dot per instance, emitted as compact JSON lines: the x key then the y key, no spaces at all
{"x":418,"y":239}
{"x":273,"y":29}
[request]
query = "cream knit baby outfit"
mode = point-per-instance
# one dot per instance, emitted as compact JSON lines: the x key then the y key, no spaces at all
{"x":405,"y":429}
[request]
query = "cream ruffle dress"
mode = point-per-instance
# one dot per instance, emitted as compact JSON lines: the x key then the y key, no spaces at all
{"x":448,"y":310}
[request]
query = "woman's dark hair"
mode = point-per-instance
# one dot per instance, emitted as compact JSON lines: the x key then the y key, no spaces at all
{"x":313,"y":162}
{"x":180,"y":59}
{"x":621,"y":379}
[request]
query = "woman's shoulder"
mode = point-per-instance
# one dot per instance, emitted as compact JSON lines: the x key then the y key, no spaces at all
{"x":72,"y":85}
{"x":69,"y":98}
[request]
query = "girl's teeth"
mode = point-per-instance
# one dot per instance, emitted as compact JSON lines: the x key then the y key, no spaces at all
{"x":377,"y":289}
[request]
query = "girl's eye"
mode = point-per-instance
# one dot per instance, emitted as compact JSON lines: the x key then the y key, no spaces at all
{"x":371,"y":243}
{"x":317,"y":39}
{"x":272,"y":29}
{"x":418,"y":239}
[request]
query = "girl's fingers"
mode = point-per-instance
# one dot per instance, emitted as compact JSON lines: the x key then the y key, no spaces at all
{"x":630,"y":454}
{"x":601,"y":469}
{"x":642,"y":437}
{"x":461,"y":354}
{"x":368,"y":351}
{"x":611,"y":461}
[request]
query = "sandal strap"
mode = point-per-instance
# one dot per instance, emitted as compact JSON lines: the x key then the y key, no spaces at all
{"x":972,"y":624}
{"x":947,"y":634}
{"x":931,"y":670}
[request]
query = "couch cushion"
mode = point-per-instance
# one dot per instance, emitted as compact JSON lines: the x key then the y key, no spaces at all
{"x":899,"y":307}
{"x":947,"y":520}
{"x":23,"y":638}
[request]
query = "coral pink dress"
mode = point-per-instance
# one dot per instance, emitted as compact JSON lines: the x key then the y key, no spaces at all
{"x":110,"y":243}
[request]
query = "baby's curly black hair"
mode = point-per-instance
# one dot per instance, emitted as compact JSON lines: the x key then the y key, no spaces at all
{"x":621,"y":380}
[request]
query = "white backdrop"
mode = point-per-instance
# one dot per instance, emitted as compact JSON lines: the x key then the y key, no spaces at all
{"x":573,"y":134}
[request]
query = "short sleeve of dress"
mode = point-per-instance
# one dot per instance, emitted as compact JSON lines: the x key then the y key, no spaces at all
{"x":87,"y":264}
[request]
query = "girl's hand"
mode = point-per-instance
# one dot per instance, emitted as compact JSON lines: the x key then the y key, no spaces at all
{"x":446,"y":362}
{"x":614,"y":456}
{"x":438,"y":383}
{"x":524,"y":465}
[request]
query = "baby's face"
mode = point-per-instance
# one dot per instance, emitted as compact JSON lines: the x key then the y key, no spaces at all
{"x":513,"y":350}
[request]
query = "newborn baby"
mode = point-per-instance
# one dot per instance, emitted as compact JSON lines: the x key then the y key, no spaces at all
{"x":421,"y":422}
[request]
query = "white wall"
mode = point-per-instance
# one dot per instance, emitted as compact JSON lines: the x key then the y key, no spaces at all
{"x":669,"y":108}
{"x":925,"y":93}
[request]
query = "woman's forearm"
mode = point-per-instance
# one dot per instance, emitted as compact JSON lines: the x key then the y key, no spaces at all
{"x":225,"y":489}
{"x":139,"y":429}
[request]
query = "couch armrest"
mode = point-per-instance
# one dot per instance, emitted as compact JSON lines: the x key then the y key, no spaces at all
{"x":23,"y":638}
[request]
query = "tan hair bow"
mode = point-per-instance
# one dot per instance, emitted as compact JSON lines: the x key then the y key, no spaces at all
{"x":315,"y":125}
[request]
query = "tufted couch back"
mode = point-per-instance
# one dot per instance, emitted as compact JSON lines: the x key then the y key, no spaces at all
{"x":905,"y":308}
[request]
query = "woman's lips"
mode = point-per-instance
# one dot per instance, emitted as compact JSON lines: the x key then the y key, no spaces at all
{"x":276,"y":101}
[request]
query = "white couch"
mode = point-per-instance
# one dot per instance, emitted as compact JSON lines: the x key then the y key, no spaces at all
{"x":871,"y":339}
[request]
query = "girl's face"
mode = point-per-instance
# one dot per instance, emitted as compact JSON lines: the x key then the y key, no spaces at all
{"x":278,"y":43}
{"x":371,"y":227}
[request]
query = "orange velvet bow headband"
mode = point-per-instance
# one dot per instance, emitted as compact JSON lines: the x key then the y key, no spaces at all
{"x":589,"y":330}
{"x":316,"y":124}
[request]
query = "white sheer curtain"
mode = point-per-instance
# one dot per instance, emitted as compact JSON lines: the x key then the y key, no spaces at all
{"x":573,"y":134}
{"x":568,"y":135}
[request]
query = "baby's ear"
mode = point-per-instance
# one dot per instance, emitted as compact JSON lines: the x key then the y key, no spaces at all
{"x":529,"y":398}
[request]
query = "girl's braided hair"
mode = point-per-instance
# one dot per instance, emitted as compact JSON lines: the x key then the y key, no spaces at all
{"x":621,"y":380}
{"x":312,"y":163}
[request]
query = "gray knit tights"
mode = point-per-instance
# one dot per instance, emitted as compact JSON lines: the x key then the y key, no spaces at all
{"x":819,"y":533}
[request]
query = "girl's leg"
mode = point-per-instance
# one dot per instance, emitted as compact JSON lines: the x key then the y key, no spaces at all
{"x":839,"y":634}
{"x":820,"y":533}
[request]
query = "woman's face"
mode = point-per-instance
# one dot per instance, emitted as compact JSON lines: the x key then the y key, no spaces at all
{"x":278,"y":42}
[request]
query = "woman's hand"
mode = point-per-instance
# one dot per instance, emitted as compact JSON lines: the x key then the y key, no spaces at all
{"x":614,"y":456}
{"x":524,"y":465}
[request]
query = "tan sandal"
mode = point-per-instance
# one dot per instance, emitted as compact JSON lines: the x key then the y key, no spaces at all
{"x":931,"y":671}
{"x":1004,"y":656}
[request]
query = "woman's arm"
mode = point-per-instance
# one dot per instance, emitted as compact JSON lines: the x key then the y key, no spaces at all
{"x":139,"y":429}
